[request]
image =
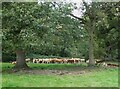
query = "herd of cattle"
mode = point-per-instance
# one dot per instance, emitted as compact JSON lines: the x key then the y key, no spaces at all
{"x":56,"y":60}
{"x":66,"y":60}
{"x":53,"y":60}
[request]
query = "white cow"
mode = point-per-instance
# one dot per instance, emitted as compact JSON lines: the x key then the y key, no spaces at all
{"x":82,"y":60}
{"x":27,"y":60}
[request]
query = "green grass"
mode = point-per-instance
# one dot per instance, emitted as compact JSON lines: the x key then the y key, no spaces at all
{"x":97,"y":77}
{"x":7,"y":66}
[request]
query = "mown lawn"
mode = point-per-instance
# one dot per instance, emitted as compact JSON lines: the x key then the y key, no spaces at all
{"x":93,"y":77}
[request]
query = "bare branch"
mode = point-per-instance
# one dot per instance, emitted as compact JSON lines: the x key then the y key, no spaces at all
{"x":80,"y":19}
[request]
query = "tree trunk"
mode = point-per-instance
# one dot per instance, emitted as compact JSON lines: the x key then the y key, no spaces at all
{"x":118,"y":45}
{"x":91,"y":49}
{"x":20,"y":60}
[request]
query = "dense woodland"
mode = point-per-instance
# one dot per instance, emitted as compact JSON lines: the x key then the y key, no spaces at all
{"x":50,"y":29}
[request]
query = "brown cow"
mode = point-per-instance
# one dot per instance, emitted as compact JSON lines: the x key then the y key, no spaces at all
{"x":70,"y":61}
{"x":114,"y":65}
{"x":58,"y":60}
{"x":52,"y":60}
{"x":76,"y":61}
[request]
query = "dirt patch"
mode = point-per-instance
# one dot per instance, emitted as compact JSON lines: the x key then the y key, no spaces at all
{"x":52,"y":72}
{"x":74,"y":71}
{"x":71,"y":71}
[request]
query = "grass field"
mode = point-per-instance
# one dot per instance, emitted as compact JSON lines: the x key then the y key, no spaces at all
{"x":59,"y":75}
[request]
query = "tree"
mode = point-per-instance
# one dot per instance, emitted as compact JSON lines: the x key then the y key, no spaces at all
{"x":94,"y":14}
{"x":89,"y":20}
{"x":22,"y":24}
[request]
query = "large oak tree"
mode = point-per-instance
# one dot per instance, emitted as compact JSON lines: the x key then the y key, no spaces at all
{"x":23,"y":24}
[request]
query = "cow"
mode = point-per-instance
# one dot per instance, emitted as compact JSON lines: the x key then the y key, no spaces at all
{"x":82,"y":60}
{"x":27,"y":60}
{"x":46,"y":61}
{"x":87,"y":61}
{"x":70,"y":61}
{"x":52,"y":61}
{"x":77,"y":60}
{"x":113,"y":65}
{"x":64,"y":60}
{"x":104,"y":64}
{"x":34,"y":60}
{"x":40,"y":61}
{"x":14,"y":62}
{"x":99,"y":61}
{"x":59,"y":61}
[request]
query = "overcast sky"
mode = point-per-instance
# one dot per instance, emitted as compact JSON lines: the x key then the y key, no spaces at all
{"x":76,"y":12}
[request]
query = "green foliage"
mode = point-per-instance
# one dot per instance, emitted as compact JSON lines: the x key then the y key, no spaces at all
{"x":107,"y":32}
{"x":44,"y":29}
{"x":103,"y":19}
{"x":22,"y":23}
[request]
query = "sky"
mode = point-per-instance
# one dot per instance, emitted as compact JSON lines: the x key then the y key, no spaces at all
{"x":76,"y":12}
